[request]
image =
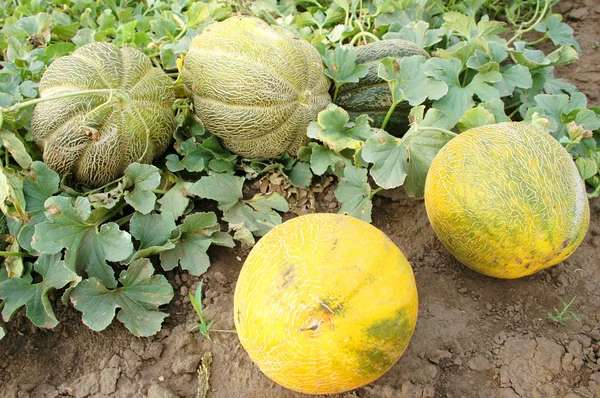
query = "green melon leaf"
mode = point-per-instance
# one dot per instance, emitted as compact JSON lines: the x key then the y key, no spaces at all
{"x":13,"y":264}
{"x":354,"y":193}
{"x":224,"y":188}
{"x":196,"y":234}
{"x":258,"y":214}
{"x":341,"y":66}
{"x":153,"y":232}
{"x":40,"y":183}
{"x":138,"y":297}
{"x":300,"y":175}
{"x":475,"y":117}
{"x":18,"y":292}
{"x":12,"y":200}
{"x":489,"y":29}
{"x":144,"y":178}
{"x":408,"y":80}
{"x":587,"y":167}
{"x":405,"y":161}
{"x":560,"y":33}
{"x":88,"y":247}
{"x":176,"y":200}
{"x":460,"y":23}
{"x":459,"y":99}
{"x":16,"y":148}
{"x":419,"y":33}
{"x":2,"y":332}
{"x":324,"y":160}
{"x":389,"y":158}
{"x":496,"y":107}
{"x":333,"y":128}
{"x":513,"y":76}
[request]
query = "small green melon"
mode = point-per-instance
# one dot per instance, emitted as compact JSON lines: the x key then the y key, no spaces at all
{"x":255,"y":86}
{"x":95,"y":136}
{"x":371,"y":95}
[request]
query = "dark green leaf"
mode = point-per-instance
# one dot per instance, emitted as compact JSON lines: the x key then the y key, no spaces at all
{"x":144,"y":178}
{"x":140,"y":295}
{"x":88,"y":247}
{"x":197,"y":233}
{"x":354,"y":193}
{"x":18,"y":292}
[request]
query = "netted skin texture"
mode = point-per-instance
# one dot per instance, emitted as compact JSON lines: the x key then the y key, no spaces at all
{"x":507,"y":200}
{"x":94,"y":137}
{"x":255,"y":86}
{"x":371,"y":95}
{"x":319,"y":313}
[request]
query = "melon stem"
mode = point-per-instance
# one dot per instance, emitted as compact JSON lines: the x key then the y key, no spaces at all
{"x":364,"y":34}
{"x":438,"y":130}
{"x":13,"y":254}
{"x":33,"y":102}
{"x":388,"y":115}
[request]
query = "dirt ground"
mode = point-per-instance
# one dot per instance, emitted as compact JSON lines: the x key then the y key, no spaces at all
{"x":476,"y":336}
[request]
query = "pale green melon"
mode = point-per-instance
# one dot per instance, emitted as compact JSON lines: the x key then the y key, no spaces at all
{"x":95,"y":136}
{"x":255,"y":86}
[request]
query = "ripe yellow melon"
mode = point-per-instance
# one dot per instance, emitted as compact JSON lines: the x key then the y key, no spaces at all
{"x":255,"y":86}
{"x":507,"y":200}
{"x":325,"y":303}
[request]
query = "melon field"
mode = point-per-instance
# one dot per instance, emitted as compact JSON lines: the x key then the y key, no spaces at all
{"x":147,"y":147}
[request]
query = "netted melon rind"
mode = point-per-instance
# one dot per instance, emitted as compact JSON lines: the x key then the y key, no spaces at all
{"x":507,"y":200}
{"x":95,"y":139}
{"x":255,"y":86}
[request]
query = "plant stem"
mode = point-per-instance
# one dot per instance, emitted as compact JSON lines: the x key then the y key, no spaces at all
{"x":375,"y":192}
{"x":13,"y":254}
{"x":388,"y":115}
{"x":124,"y":220}
{"x":513,"y":113}
{"x":335,"y":93}
{"x":364,"y":34}
{"x":439,"y":130}
{"x":33,"y":102}
{"x":222,"y":331}
{"x":538,"y":41}
{"x":531,"y":22}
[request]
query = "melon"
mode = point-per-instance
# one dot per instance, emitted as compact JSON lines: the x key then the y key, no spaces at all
{"x":325,"y":303}
{"x":371,"y":95}
{"x":507,"y":200}
{"x":123,"y":115}
{"x":255,"y":86}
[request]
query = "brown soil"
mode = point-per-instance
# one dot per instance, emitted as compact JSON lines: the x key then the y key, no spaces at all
{"x":476,"y":336}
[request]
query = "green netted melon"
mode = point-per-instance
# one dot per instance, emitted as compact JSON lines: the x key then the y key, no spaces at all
{"x":95,"y":136}
{"x":371,"y":95}
{"x":255,"y":86}
{"x":507,"y":200}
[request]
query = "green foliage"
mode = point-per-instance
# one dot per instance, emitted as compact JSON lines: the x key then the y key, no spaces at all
{"x":139,"y":295}
{"x":563,"y":315}
{"x":203,"y":325}
{"x":18,"y":292}
{"x":482,"y":70}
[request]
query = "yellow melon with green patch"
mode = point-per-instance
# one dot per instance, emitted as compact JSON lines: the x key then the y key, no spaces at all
{"x":325,"y":303}
{"x":507,"y":200}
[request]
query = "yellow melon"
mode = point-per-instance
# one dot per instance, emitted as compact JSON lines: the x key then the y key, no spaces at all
{"x":507,"y":200}
{"x":325,"y":303}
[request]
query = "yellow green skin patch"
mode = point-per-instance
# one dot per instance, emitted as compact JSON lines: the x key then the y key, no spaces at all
{"x":507,"y":200}
{"x":325,"y":303}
